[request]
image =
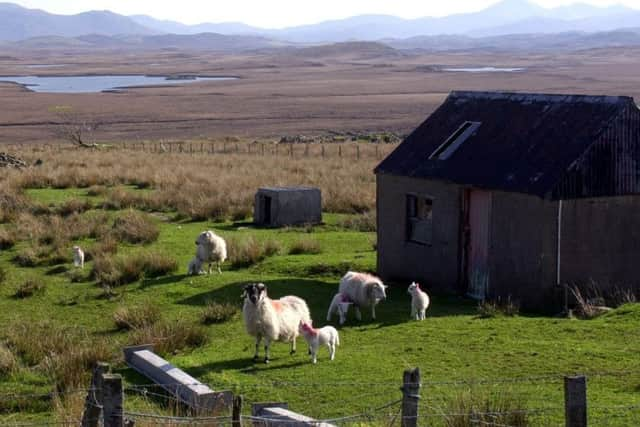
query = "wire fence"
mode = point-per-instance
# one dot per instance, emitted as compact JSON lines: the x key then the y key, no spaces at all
{"x":530,"y":400}
{"x":316,"y":150}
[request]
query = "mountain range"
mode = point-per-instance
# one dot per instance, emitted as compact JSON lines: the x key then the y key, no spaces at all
{"x":508,"y":17}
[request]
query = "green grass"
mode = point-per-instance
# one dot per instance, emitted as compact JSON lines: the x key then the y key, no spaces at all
{"x":453,"y":343}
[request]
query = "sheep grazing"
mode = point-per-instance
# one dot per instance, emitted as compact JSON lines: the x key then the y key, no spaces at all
{"x":339,"y":304}
{"x":322,"y":336}
{"x":364,"y":290}
{"x":211,"y":248}
{"x":194,"y":267}
{"x":78,"y":257}
{"x":273,"y":320}
{"x":419,"y":301}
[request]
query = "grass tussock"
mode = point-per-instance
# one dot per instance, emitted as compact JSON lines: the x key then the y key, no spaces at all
{"x":106,"y":246}
{"x":493,"y":308}
{"x":8,"y":361}
{"x":475,"y":407}
{"x":365,"y":222}
{"x":72,"y":368}
{"x":135,"y":227}
{"x":305,"y":246}
{"x":143,"y":316}
{"x":218,"y":312}
{"x":170,"y":336}
{"x":249,"y":251}
{"x":116,"y":271}
{"x":7,"y":239}
{"x":74,"y":207}
{"x":29,"y":288}
{"x":4,"y":274}
{"x":27,"y":257}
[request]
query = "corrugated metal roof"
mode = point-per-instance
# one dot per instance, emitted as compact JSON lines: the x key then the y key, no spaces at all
{"x":525,"y":143}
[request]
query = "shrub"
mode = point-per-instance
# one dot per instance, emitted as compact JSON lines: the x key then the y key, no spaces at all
{"x":8,"y":361}
{"x":135,"y":227}
{"x":365,"y":222}
{"x":215,"y":312}
{"x":168,"y":337}
{"x":474,"y":407}
{"x":249,"y":251}
{"x":29,"y":288}
{"x":305,"y":246}
{"x":27,"y":257}
{"x":136,"y":317}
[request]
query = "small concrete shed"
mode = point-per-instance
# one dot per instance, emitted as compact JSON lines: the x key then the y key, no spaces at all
{"x":282,"y":206}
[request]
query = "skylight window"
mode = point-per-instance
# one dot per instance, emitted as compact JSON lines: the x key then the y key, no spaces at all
{"x":456,"y":139}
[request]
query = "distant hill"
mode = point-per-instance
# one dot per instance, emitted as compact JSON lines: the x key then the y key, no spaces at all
{"x":18,"y":23}
{"x":365,"y":50}
{"x":173,"y":27}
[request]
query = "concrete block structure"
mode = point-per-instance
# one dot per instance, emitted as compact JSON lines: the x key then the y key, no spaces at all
{"x":282,"y":206}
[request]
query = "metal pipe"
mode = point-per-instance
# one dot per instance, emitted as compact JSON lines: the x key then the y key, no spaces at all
{"x":559,"y":243}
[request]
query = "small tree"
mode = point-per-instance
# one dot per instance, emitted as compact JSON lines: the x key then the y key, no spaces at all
{"x":75,"y":127}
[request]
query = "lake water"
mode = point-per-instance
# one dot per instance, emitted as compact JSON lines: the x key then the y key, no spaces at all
{"x":88,"y":84}
{"x":484,"y":70}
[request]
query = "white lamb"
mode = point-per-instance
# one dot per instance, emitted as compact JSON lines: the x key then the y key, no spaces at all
{"x":211,"y":248}
{"x":365,"y":290}
{"x":273,"y":320}
{"x":78,"y":257}
{"x":322,"y":336}
{"x":339,"y":304}
{"x":195,"y":267}
{"x":419,"y":301}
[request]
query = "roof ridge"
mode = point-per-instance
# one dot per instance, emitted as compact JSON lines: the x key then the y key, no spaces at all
{"x":541,"y":97}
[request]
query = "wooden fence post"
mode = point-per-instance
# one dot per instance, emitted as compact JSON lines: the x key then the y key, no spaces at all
{"x":94,"y":401}
{"x":575,"y":401}
{"x":113,"y":400}
{"x":236,"y":414}
{"x":322,"y":145}
{"x":410,"y":397}
{"x":357,"y":152}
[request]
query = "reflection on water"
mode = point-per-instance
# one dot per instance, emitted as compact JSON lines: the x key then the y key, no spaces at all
{"x":484,"y":70}
{"x":87,"y":84}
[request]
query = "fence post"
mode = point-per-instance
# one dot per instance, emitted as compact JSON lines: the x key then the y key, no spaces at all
{"x":94,"y":401}
{"x":575,"y":401}
{"x":357,"y":152}
{"x":410,"y":396}
{"x":322,"y":145}
{"x":113,"y":400}
{"x":236,"y":414}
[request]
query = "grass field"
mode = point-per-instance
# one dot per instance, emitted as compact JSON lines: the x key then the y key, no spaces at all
{"x":520,"y":359}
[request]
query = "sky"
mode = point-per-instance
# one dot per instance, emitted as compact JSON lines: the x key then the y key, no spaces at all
{"x":282,"y":13}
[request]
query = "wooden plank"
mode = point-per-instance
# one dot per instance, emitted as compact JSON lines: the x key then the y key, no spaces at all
{"x":183,"y":386}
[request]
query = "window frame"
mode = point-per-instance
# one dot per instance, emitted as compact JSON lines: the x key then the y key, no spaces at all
{"x":413,"y":221}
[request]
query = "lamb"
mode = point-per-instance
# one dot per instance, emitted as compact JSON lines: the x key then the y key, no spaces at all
{"x":365,"y":290}
{"x":419,"y":301}
{"x":78,"y":257}
{"x":194,"y":267}
{"x":322,"y":336}
{"x":211,"y":248}
{"x":273,"y":320}
{"x":339,"y":304}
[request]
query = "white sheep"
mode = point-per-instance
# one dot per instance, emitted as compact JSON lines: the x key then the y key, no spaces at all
{"x":339,"y":304}
{"x":365,"y":290}
{"x":194,"y":267}
{"x":78,"y":257}
{"x":419,"y":301}
{"x":327,"y":335}
{"x":273,"y":320}
{"x":211,"y":248}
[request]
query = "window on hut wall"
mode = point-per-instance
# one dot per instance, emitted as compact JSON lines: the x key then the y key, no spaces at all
{"x":419,"y":219}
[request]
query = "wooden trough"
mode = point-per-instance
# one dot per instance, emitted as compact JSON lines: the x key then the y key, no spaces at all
{"x":279,"y":415}
{"x":184,"y":387}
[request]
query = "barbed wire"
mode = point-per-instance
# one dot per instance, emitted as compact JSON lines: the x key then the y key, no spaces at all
{"x":6,"y":396}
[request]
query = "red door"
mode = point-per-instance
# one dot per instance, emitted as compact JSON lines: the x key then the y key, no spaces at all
{"x":477,"y":244}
